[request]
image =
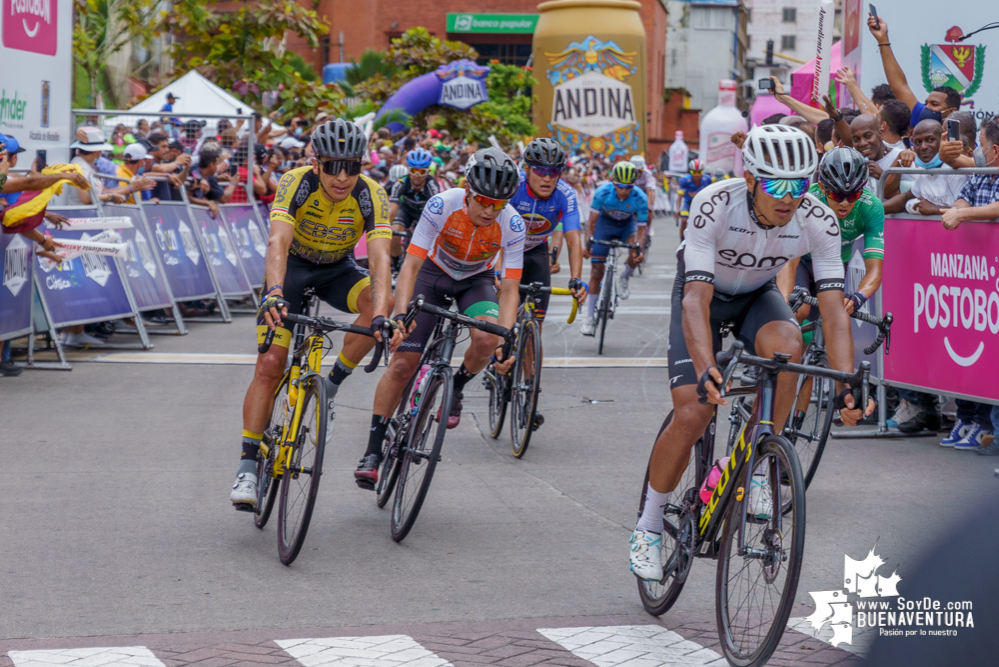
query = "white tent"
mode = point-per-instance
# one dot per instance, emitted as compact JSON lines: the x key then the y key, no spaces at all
{"x":196,"y":97}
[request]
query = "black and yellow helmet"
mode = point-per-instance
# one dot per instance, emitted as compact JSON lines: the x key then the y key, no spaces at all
{"x":624,"y":173}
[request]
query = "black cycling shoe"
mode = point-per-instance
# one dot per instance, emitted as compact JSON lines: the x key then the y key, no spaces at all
{"x":539,"y":420}
{"x":455,"y":417}
{"x":366,"y":475}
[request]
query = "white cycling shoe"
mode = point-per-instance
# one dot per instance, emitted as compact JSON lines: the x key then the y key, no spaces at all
{"x":646,"y":559}
{"x":623,"y":289}
{"x":244,"y":491}
{"x":761,"y":501}
{"x":586,"y":327}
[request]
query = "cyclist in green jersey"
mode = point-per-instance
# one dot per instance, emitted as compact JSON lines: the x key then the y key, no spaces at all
{"x":842,"y":178}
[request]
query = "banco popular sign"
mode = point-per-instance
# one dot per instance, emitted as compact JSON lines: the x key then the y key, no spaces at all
{"x":944,"y":295}
{"x":593,"y":107}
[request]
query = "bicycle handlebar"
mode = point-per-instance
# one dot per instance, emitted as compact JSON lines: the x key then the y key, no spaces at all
{"x":615,"y":244}
{"x":322,"y":325}
{"x":420,"y":304}
{"x":883,"y":324}
{"x":730,"y":358}
{"x":538,"y":288}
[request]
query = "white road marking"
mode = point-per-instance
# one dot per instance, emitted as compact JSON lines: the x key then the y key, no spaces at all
{"x":251,"y":359}
{"x":379,"y":651}
{"x":118,"y":656}
{"x":633,"y":646}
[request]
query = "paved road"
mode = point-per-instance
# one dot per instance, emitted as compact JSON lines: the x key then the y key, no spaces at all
{"x":115,"y":519}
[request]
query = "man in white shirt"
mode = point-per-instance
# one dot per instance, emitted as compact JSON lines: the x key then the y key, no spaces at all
{"x":930,"y":192}
{"x":867,"y":139}
{"x":90,"y":141}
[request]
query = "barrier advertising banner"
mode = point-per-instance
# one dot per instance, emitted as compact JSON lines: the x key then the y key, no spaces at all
{"x":16,"y":257}
{"x":87,"y":288}
{"x":221,"y":253}
{"x":945,"y":298}
{"x":250,"y":240}
{"x":144,"y":274}
{"x":182,"y":259}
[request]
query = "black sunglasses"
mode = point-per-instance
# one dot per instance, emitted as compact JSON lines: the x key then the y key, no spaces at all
{"x":334,"y":167}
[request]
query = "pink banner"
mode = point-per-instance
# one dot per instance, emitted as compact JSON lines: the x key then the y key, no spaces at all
{"x":942,"y":289}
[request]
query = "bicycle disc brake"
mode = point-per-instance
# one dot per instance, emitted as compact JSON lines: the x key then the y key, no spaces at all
{"x":773,"y":544}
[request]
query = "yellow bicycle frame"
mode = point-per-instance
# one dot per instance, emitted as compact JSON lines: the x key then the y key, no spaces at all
{"x":296,"y":400}
{"x":561,"y":291}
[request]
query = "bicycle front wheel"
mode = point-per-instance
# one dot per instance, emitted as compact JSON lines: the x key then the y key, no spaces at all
{"x":604,"y":307}
{"x":499,"y":396}
{"x":267,"y":485}
{"x":422,"y":451}
{"x":300,"y":483}
{"x":755,"y":591}
{"x":808,"y":429}
{"x":526,"y":386}
{"x":389,"y":472}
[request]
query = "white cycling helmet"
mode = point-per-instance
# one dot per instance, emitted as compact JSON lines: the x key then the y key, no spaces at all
{"x":398,"y":172}
{"x":779,"y":151}
{"x":638,"y":161}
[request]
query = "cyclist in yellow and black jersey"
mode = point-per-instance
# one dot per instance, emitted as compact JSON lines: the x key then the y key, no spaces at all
{"x":319,"y":214}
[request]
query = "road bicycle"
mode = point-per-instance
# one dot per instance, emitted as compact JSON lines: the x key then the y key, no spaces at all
{"x":415,"y":434}
{"x":290,"y":459}
{"x":759,"y":555}
{"x":811,"y":420}
{"x":522,"y":384}
{"x":607,"y":300}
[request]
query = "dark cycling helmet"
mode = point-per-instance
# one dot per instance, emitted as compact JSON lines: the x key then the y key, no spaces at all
{"x":340,"y":139}
{"x":544,"y":152}
{"x":492,"y":173}
{"x":419,"y":158}
{"x":843,"y":171}
{"x":624,"y":173}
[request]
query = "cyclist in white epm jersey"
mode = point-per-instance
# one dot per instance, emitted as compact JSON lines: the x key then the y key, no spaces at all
{"x":740,"y":233}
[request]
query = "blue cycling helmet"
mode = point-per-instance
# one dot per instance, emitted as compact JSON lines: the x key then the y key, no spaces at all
{"x":419,"y":158}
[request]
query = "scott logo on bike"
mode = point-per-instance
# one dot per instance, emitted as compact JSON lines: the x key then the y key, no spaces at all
{"x":740,"y":452}
{"x":749,"y":260}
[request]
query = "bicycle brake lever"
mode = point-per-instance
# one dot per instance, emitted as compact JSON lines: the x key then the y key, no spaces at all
{"x":268,"y":339}
{"x":865,"y":376}
{"x":380,"y":348}
{"x":736,"y":353}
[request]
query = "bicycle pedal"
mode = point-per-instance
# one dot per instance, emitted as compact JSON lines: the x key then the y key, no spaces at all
{"x":366,"y":484}
{"x":244,"y":507}
{"x":539,"y":421}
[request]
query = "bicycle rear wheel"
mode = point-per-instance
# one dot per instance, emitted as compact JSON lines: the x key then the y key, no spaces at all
{"x":808,"y":432}
{"x":300,"y":483}
{"x":526,"y":387}
{"x":755,"y":592}
{"x":679,"y":531}
{"x":389,"y":472}
{"x":604,"y":307}
{"x":267,"y":486}
{"x":422,"y":451}
{"x":499,"y":396}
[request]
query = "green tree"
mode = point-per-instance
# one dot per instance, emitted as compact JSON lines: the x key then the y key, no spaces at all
{"x":242,"y":50}
{"x":102,"y":28}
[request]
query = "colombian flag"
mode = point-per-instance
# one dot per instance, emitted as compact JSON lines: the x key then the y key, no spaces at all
{"x":29,"y":210}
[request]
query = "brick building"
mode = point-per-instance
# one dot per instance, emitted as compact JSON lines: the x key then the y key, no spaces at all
{"x":370,"y":24}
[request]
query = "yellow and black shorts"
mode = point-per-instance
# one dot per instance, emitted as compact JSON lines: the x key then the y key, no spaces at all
{"x":339,"y":284}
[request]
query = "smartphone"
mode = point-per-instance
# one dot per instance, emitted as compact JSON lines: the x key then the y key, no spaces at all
{"x":953,"y":129}
{"x":874,"y":13}
{"x":41,"y":159}
{"x":766,"y":84}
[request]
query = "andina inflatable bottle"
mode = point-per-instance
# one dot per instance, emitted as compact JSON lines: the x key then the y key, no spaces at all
{"x":717,"y":150}
{"x":678,"y":154}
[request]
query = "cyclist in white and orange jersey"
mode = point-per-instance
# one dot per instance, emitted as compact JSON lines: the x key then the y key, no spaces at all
{"x":460,"y":232}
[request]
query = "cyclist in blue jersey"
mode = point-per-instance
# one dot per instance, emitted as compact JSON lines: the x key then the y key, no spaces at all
{"x":543,"y":200}
{"x":689,"y":186}
{"x":619,"y":211}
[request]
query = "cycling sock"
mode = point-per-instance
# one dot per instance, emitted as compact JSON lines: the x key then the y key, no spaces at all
{"x":591,"y":306}
{"x":341,"y":369}
{"x":461,"y":378}
{"x":248,"y":459}
{"x":628,"y":270}
{"x":378,"y":427}
{"x":652,"y":514}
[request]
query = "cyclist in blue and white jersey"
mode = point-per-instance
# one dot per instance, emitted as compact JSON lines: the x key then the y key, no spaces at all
{"x":620,"y":211}
{"x":689,"y":186}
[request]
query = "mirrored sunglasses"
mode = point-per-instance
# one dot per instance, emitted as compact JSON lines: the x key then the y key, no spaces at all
{"x":547,"y":172}
{"x":778,"y":188}
{"x":334,"y":167}
{"x":624,"y":186}
{"x":413,"y":171}
{"x":489,"y":202}
{"x":840,"y":198}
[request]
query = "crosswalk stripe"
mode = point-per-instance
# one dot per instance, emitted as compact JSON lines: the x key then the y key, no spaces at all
{"x":378,"y":651}
{"x":118,"y":656}
{"x":633,"y":646}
